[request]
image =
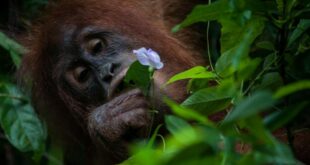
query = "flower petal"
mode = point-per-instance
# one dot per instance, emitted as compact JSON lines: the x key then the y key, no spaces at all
{"x":141,"y":55}
{"x":141,"y":50}
{"x":159,"y":65}
{"x":143,"y":59}
{"x":148,"y":57}
{"x":153,"y":56}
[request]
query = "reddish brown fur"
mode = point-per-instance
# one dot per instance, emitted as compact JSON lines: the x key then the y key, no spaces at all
{"x":148,"y":22}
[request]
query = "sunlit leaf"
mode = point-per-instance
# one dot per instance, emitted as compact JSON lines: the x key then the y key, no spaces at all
{"x":196,"y":72}
{"x":291,"y":88}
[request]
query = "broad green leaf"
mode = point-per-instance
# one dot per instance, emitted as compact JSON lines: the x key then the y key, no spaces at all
{"x":238,"y":34}
{"x":210,"y":135}
{"x":256,"y":128}
{"x":302,"y":27}
{"x":187,"y":113}
{"x":175,"y":124}
{"x":250,"y":106}
{"x":196,"y":84}
{"x":193,"y":153}
{"x":220,"y":9}
{"x":265,"y":45}
{"x":278,"y":118}
{"x":291,"y":88}
{"x":282,"y":154}
{"x":275,"y":153}
{"x":143,"y":155}
{"x":270,"y":81}
{"x":19,"y":121}
{"x":235,"y":51}
{"x":12,"y":47}
{"x":247,"y":68}
{"x":196,"y":72}
{"x":203,"y":13}
{"x":209,"y":100}
{"x":139,"y":76}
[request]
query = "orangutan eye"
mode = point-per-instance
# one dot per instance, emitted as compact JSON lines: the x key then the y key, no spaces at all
{"x":95,"y":46}
{"x":81,"y":74}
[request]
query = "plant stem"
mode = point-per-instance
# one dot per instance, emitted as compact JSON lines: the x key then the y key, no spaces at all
{"x":260,"y":74}
{"x":208,"y":42}
{"x":281,"y":47}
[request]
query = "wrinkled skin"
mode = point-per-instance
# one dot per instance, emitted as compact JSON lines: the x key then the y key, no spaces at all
{"x":78,"y":56}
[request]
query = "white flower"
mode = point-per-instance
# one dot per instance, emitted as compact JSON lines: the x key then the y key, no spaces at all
{"x":148,"y":57}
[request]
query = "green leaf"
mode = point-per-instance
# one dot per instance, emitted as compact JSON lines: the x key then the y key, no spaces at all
{"x":19,"y":121}
{"x":220,"y":9}
{"x":193,"y":153}
{"x":250,"y":106}
{"x":139,"y":76}
{"x":276,"y":153}
{"x":196,"y":84}
{"x":203,"y":13}
{"x":291,"y":88}
{"x":208,"y":101}
{"x":270,"y":81}
{"x":256,"y":127}
{"x":280,"y":6}
{"x":187,"y":113}
{"x":235,"y":45}
{"x":265,"y":45}
{"x":278,"y":118}
{"x":302,"y":27}
{"x":12,"y":47}
{"x":151,"y":142}
{"x":175,"y":124}
{"x":282,"y":154}
{"x":197,"y":72}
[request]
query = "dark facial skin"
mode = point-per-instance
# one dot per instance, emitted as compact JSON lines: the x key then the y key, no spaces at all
{"x":94,"y":64}
{"x":92,"y":59}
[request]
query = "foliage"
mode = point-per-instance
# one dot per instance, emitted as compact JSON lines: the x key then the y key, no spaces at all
{"x":18,"y":120}
{"x":20,"y":125}
{"x":263,"y":67}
